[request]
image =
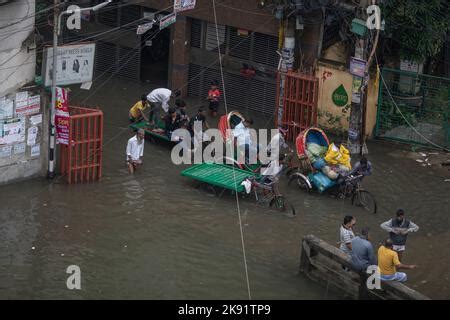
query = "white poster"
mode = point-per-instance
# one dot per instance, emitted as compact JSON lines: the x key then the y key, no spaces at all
{"x":21,"y":101}
{"x":35,"y":120}
{"x":35,"y":150}
{"x":183,"y":5}
{"x":5,"y":151}
{"x":6,"y":108}
{"x":74,"y":64}
{"x":19,"y":148}
{"x":32,"y":134}
{"x":13,"y":131}
{"x":31,"y":106}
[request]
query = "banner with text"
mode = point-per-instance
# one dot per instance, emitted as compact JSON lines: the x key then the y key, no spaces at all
{"x":62,"y":119}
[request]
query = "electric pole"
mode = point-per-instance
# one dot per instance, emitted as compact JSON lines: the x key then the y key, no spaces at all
{"x":51,"y":154}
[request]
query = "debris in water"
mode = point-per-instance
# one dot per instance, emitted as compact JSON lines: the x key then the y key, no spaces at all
{"x":66,"y":226}
{"x":44,"y":204}
{"x":423,"y":154}
{"x":426,"y":160}
{"x":447,"y":180}
{"x":62,"y":254}
{"x":423,"y":281}
{"x":125,"y":246}
{"x":32,"y":248}
{"x":418,"y":160}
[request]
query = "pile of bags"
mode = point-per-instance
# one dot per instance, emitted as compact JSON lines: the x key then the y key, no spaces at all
{"x":330,"y":161}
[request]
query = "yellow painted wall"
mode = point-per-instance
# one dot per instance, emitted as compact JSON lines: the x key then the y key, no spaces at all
{"x":330,"y":78}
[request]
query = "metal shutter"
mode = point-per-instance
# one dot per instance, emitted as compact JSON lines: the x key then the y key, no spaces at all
{"x":211,"y":37}
{"x":129,"y":63}
{"x":239,"y":45}
{"x":265,"y":49}
{"x":196,"y":33}
{"x":105,"y":58}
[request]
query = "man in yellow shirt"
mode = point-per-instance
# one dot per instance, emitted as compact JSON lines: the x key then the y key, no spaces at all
{"x":136,"y":113}
{"x":388,"y":263}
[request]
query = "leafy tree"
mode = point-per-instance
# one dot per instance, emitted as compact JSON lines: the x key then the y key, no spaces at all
{"x":420,"y":26}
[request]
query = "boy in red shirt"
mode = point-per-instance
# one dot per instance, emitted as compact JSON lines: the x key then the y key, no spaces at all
{"x":213,"y":97}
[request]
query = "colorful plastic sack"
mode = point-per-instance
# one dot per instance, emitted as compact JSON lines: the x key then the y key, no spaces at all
{"x":321,"y":181}
{"x":337,"y":156}
{"x":319,"y":164}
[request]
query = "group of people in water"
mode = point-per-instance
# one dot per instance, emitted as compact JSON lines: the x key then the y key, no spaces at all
{"x":389,"y":256}
{"x":157,"y":101}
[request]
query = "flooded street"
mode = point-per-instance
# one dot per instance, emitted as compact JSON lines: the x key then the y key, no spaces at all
{"x":154,"y":235}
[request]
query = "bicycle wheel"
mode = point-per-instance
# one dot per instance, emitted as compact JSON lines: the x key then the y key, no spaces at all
{"x":300,"y":181}
{"x":282,"y":205}
{"x":363,"y":198}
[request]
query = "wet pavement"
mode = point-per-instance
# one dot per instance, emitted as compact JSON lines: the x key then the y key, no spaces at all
{"x":154,"y":235}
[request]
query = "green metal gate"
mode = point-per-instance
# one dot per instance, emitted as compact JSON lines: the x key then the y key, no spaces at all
{"x":413,"y":108}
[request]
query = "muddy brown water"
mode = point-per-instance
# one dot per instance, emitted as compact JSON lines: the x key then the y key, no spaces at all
{"x":154,"y":235}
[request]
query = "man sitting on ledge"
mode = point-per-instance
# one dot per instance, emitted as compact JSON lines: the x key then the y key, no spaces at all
{"x":388,"y":263}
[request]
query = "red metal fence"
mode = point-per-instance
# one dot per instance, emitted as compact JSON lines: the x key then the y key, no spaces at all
{"x":81,"y":160}
{"x":298,"y":98}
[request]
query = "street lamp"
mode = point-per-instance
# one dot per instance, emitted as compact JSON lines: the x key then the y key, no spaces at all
{"x":56,"y":33}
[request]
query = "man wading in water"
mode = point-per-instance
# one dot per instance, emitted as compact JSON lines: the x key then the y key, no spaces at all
{"x":398,"y":229}
{"x":135,"y":151}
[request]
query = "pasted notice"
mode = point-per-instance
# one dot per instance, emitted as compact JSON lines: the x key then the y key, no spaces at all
{"x":35,"y":120}
{"x":35,"y":151}
{"x":32,"y":134}
{"x":6,"y":108}
{"x":19,"y":148}
{"x":13,"y":131}
{"x":5,"y":151}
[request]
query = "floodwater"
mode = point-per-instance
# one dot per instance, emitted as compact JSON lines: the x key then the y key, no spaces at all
{"x":153,"y":235}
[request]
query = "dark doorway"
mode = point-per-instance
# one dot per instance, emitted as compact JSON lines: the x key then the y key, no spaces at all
{"x":155,"y":56}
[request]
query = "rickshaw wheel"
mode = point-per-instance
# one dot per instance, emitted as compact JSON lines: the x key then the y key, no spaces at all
{"x":300,"y":181}
{"x":282,"y":205}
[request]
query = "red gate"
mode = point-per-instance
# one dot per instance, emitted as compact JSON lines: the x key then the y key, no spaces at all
{"x":297,"y":96}
{"x":81,"y":160}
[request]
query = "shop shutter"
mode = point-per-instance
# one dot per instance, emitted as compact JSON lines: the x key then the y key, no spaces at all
{"x":196,"y":33}
{"x":211,"y":37}
{"x":129,"y":64}
{"x":105,"y":58}
{"x":265,"y":50}
{"x":239,"y":44}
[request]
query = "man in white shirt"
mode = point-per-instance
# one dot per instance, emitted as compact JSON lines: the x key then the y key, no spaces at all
{"x":159,"y":98}
{"x":243,"y":138}
{"x":135,"y":150}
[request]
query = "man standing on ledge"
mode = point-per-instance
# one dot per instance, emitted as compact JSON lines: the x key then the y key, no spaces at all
{"x":135,"y":151}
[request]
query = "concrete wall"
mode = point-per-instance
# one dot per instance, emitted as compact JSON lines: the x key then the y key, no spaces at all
{"x":332,"y":71}
{"x":17,"y":63}
{"x":17,"y":68}
{"x":236,"y":13}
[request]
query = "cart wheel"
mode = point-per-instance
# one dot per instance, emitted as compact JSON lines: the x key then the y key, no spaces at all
{"x":363,"y":198}
{"x":300,"y":181}
{"x":282,"y":205}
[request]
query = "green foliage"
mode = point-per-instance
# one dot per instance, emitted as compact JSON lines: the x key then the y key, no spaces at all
{"x":419,"y":26}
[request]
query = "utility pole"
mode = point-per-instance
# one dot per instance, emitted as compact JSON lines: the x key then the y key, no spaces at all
{"x":51,"y":154}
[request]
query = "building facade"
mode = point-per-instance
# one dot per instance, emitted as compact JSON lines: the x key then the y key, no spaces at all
{"x":23,"y":120}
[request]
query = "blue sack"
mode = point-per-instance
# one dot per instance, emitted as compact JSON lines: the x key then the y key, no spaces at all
{"x":322,"y":182}
{"x":319,"y":164}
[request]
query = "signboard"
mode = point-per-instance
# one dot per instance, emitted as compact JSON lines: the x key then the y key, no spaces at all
{"x":6,"y":108}
{"x":183,"y":5}
{"x":13,"y":131}
{"x":75,"y":64}
{"x":62,"y":119}
{"x":340,"y":96}
{"x":167,"y":20}
{"x":357,"y":67}
{"x":141,"y":29}
{"x":29,"y":106}
{"x":410,"y":66}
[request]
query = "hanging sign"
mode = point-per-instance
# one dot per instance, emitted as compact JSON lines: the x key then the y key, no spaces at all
{"x":183,"y":5}
{"x":357,"y":67}
{"x":74,"y":64}
{"x":143,"y":28}
{"x":62,"y":119}
{"x":167,"y":20}
{"x":340,"y":96}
